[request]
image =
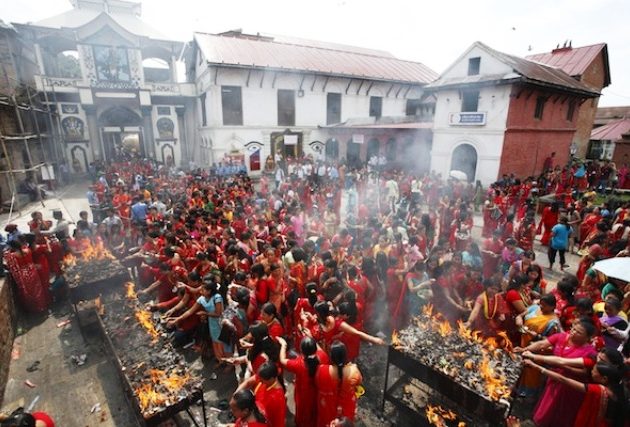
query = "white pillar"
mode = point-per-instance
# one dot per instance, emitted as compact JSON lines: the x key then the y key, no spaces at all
{"x":40,"y":60}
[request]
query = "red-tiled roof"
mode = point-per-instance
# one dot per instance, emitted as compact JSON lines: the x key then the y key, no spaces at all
{"x":612,"y":131}
{"x":574,"y":60}
{"x":523,"y":70}
{"x":265,"y":53}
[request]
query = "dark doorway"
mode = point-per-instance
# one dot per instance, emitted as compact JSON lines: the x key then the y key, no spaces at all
{"x":373,"y":148}
{"x":286,"y":144}
{"x":121,"y":132}
{"x":465,"y":159}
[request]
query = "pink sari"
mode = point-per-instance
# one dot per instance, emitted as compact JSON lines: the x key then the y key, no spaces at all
{"x":559,"y":404}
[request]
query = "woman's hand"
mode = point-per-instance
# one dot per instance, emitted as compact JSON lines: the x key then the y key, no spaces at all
{"x":530,"y":363}
{"x":518,"y":350}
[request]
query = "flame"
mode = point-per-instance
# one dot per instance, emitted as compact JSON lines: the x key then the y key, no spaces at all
{"x":144,"y":318}
{"x":175,"y":382}
{"x":437,"y":416}
{"x":148,"y":396}
{"x":131,"y":290}
{"x":444,"y":328}
{"x":98,"y":304}
{"x":148,"y":393}
{"x":507,"y":343}
{"x":395,"y":339}
{"x":427,"y":310}
{"x":88,"y":252}
{"x":494,"y":384}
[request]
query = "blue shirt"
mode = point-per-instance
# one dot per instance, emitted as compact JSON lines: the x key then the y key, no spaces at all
{"x":560,"y":237}
{"x":139,"y":212}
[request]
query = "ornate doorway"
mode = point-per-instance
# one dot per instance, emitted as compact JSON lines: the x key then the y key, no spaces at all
{"x":122,"y":134}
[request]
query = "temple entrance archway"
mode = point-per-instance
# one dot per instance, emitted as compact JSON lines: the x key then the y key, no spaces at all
{"x":121,"y":134}
{"x":464,"y":159}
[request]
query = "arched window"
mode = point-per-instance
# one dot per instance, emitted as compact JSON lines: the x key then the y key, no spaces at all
{"x":67,"y":65}
{"x":353,"y":154}
{"x":332,"y":149}
{"x":156,"y":70}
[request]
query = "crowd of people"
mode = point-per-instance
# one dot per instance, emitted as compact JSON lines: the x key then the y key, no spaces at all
{"x":287,"y":277}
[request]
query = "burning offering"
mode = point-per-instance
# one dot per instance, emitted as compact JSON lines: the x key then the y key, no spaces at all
{"x":450,"y":374}
{"x":158,"y":379}
{"x":484,"y":365}
{"x":92,"y":272}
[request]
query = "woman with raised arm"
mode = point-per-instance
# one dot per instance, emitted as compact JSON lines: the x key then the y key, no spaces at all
{"x":603,"y":402}
{"x":558,"y":404}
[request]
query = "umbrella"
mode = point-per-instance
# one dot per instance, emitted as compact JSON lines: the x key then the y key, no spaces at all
{"x":458,"y":175}
{"x":616,"y":268}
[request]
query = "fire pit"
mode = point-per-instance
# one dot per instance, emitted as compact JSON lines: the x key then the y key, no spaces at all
{"x":477,"y":374}
{"x":95,"y":272}
{"x":157,"y":380}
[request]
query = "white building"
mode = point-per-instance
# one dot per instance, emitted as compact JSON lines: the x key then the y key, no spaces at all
{"x":113,"y":81}
{"x":260,"y":95}
{"x":499,"y":114}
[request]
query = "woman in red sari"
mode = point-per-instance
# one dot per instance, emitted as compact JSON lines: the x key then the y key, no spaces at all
{"x":33,"y":294}
{"x":588,"y":224}
{"x":488,"y":313}
{"x":549,"y":218}
{"x":603,"y":403}
{"x":558,"y":405}
{"x":304,"y":368}
{"x":336,"y":387}
{"x":269,"y":394}
{"x":245,"y":410}
{"x":40,"y":251}
{"x":325,"y":328}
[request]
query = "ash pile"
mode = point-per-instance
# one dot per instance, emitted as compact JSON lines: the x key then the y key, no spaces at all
{"x":93,"y":272}
{"x":157,"y":378}
{"x":471,"y":375}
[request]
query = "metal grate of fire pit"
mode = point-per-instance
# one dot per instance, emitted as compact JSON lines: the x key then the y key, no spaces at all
{"x":450,"y":366}
{"x":147,"y":362}
{"x":88,"y":279}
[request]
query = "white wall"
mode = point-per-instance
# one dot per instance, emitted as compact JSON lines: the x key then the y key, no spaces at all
{"x":488,"y":64}
{"x":486,"y":139}
{"x":260,"y":110}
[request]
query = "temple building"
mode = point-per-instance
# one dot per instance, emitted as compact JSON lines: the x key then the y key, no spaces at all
{"x":112,"y":81}
{"x":264,"y":98}
{"x":500,"y":114}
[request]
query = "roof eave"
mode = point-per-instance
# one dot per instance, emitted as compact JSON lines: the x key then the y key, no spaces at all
{"x":485,"y":83}
{"x":583,"y":92}
{"x":320,"y":73}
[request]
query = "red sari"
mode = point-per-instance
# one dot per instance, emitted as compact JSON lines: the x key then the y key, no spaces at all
{"x":592,"y":412}
{"x":548,"y":220}
{"x":32,"y":293}
{"x":273,"y":403}
{"x":306,"y":399}
{"x":336,"y":399}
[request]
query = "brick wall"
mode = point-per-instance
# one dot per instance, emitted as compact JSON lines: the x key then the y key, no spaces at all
{"x":7,"y":331}
{"x":529,"y":141}
{"x":524,"y":152}
{"x":594,"y":77}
